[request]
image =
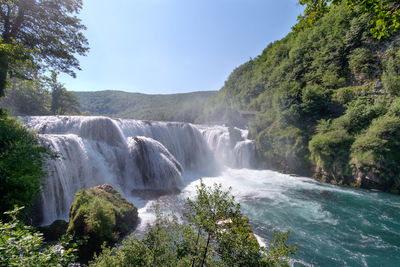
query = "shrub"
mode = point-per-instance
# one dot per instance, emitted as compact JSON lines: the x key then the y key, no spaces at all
{"x":21,"y":164}
{"x":376,"y":153}
{"x":391,"y":74}
{"x":20,"y":245}
{"x":330,"y":152}
{"x":363,"y":63}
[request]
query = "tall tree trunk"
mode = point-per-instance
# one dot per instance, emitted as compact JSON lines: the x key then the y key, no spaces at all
{"x":205,"y":251}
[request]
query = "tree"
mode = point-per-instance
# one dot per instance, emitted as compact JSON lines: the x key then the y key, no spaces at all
{"x":314,"y":11}
{"x":209,"y":213}
{"x":47,"y":33}
{"x":216,"y":218}
{"x":62,"y":101}
{"x":167,"y":242}
{"x":385,"y":14}
{"x":27,"y":97}
{"x":21,"y":164}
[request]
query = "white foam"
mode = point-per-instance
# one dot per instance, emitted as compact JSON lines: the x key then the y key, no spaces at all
{"x":128,"y":154}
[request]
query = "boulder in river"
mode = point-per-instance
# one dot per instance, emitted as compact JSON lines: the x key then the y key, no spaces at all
{"x":101,"y":214}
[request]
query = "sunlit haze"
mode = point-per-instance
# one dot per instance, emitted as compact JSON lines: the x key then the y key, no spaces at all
{"x":174,"y":46}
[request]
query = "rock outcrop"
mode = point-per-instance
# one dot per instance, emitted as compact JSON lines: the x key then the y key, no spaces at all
{"x":101,"y":214}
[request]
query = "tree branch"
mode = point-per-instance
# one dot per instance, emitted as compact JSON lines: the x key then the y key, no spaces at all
{"x":22,"y":5}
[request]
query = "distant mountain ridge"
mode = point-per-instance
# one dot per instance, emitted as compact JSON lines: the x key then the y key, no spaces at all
{"x":184,"y":107}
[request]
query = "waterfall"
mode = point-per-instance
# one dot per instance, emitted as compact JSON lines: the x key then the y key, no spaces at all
{"x":130,"y":155}
{"x":230,"y":146}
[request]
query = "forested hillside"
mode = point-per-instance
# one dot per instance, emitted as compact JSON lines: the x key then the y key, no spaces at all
{"x":327,"y":97}
{"x":39,"y":96}
{"x":174,"y":107}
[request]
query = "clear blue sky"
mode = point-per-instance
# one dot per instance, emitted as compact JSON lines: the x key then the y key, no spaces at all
{"x":174,"y":46}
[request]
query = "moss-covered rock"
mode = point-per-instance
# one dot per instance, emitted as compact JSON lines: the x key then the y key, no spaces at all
{"x":102,"y":214}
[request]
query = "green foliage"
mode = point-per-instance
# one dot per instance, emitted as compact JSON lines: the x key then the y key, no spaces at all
{"x":62,"y":101}
{"x":45,"y":33}
{"x":215,"y":234}
{"x":21,"y":164}
{"x":385,"y":14}
{"x":363,"y":63}
{"x":217,"y":218}
{"x":391,"y":73}
{"x":279,"y":251}
{"x":166,"y":243}
{"x":359,"y":114}
{"x":26,"y":97}
{"x":39,"y":96}
{"x":330,"y":152}
{"x":314,"y":11}
{"x":21,"y":245}
{"x":330,"y":148}
{"x":377,"y":152}
{"x":132,"y":252}
{"x":345,"y":95}
{"x":12,"y":55}
{"x":103,"y":215}
{"x":395,"y":107}
{"x":99,"y":218}
{"x":284,"y":147}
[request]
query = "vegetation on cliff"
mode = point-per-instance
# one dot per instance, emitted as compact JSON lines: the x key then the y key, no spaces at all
{"x":321,"y":94}
{"x":385,"y":14}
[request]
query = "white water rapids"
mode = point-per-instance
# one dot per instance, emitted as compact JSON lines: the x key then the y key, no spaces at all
{"x":333,"y":226}
{"x":130,"y":155}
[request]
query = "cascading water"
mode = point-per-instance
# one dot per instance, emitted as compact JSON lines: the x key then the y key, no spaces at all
{"x":129,"y":155}
{"x":333,"y":226}
{"x":230,"y":145}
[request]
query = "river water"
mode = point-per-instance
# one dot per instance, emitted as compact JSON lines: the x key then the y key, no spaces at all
{"x":332,"y":226}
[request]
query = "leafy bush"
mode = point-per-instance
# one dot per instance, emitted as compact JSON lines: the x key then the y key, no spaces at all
{"x":395,"y":107}
{"x":330,"y":152}
{"x":391,"y":74}
{"x":376,"y":154}
{"x":345,"y":95}
{"x":330,"y":147}
{"x":283,"y":146}
{"x":359,"y":114}
{"x":363,"y":63}
{"x":21,"y":164}
{"x":20,"y":245}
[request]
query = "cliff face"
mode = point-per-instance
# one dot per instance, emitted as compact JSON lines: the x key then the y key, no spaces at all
{"x":326,"y":99}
